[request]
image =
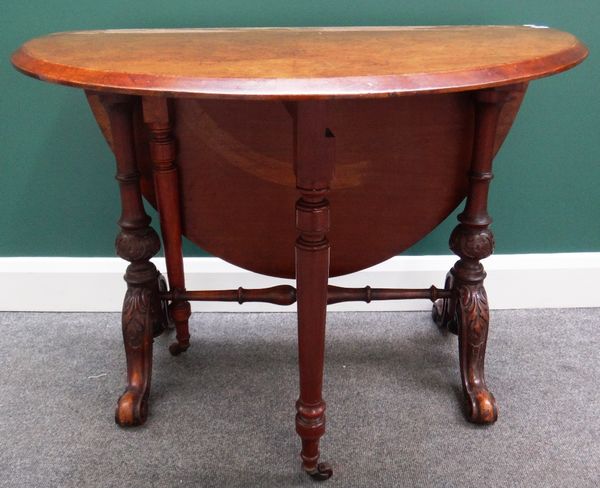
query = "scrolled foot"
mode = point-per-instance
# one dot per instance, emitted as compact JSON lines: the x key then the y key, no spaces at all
{"x":322,"y":472}
{"x":481,"y":407}
{"x":132,"y":408}
{"x":177,"y":348}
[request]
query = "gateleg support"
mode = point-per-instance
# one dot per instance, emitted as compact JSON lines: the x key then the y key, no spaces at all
{"x":158,"y":118}
{"x":314,"y":166}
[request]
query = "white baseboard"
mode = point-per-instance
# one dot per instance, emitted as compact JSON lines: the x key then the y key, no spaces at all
{"x":560,"y":280}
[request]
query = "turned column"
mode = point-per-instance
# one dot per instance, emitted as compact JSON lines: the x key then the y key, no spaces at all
{"x":137,"y":242}
{"x":314,"y":163}
{"x":163,"y":153}
{"x":472,"y":240}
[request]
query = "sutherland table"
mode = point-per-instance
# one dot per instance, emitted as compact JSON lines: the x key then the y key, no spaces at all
{"x":303,"y":153}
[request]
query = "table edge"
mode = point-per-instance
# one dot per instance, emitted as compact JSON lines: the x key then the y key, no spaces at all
{"x":303,"y":88}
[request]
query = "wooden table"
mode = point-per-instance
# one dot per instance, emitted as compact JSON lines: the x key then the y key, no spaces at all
{"x":251,"y":141}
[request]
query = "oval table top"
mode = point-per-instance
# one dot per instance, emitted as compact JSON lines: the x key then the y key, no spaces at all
{"x":299,"y":63}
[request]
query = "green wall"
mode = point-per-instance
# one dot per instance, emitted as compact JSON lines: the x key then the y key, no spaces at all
{"x":58,"y":196}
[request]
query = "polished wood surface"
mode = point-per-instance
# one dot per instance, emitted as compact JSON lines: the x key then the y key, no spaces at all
{"x":137,"y":242}
{"x":314,"y":163}
{"x":162,"y":149}
{"x":384,"y":162}
{"x":280,"y":150}
{"x":298,"y":63}
{"x":467,"y":311}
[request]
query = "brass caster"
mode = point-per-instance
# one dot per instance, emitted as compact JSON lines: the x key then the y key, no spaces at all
{"x":176,"y":348}
{"x":322,"y":472}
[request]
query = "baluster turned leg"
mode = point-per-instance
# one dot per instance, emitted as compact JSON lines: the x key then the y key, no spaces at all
{"x":314,"y":164}
{"x":472,"y":240}
{"x":162,"y":151}
{"x":137,"y":242}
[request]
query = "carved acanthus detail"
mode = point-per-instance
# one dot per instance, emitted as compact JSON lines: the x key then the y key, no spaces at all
{"x":137,"y":245}
{"x":472,"y":243}
{"x":137,"y":311}
{"x":474,"y":312}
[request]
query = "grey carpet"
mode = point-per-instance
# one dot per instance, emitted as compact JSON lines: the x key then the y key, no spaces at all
{"x":222,"y":414}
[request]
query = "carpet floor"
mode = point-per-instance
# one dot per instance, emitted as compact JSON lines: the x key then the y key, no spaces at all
{"x":222,"y":414}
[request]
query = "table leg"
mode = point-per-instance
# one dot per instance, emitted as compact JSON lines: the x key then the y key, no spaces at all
{"x":137,"y":242}
{"x":314,"y":163}
{"x":468,"y":312}
{"x":163,"y":154}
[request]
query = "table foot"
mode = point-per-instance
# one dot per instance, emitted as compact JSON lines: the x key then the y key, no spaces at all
{"x":180,"y":312}
{"x":132,"y":408}
{"x":176,"y":348}
{"x":310,"y":426}
{"x":481,"y":407}
{"x":322,"y":472}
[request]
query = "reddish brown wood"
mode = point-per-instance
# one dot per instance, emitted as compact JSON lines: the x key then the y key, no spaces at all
{"x":163,"y":153}
{"x":444,"y":310}
{"x":401,"y":168}
{"x":472,"y":240}
{"x":250,"y":145}
{"x":337,"y":294}
{"x":279,"y":295}
{"x":314,"y":166}
{"x":299,"y":63}
{"x":137,"y":242}
{"x":286,"y":294}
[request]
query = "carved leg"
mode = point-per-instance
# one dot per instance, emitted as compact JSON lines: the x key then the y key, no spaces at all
{"x":141,"y":313}
{"x":473,"y":316}
{"x":162,"y":151}
{"x":137,"y":242}
{"x":472,"y":241}
{"x":314,"y":170}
